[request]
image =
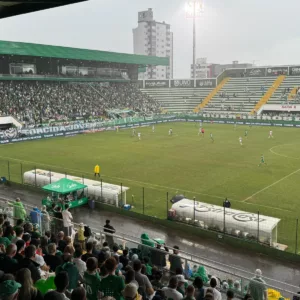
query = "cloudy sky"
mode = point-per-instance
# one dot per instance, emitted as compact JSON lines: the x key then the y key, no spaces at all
{"x":261,"y":31}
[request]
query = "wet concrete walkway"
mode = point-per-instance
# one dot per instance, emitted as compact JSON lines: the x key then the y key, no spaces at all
{"x":207,"y":248}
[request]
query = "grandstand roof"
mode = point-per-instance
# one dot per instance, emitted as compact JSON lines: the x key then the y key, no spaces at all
{"x":29,"y":49}
{"x":9,"y":8}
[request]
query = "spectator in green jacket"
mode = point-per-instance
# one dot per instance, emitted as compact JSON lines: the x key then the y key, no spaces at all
{"x":19,"y":210}
{"x":69,"y":267}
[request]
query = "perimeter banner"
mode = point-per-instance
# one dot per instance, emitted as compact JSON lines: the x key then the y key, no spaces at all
{"x":295,"y":71}
{"x":156,"y":84}
{"x":13,"y":135}
{"x":276,"y":71}
{"x":255,"y":72}
{"x":182,"y":83}
{"x":206,"y":83}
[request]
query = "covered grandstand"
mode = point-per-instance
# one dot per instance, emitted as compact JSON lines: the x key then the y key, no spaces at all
{"x":61,"y":83}
{"x":29,"y":60}
{"x":234,"y":92}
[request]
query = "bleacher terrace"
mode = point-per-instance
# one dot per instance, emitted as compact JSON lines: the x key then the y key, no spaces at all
{"x":239,"y":95}
{"x":178,"y":99}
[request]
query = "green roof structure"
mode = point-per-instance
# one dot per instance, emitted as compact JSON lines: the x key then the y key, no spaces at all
{"x":64,"y":186}
{"x":59,"y":52}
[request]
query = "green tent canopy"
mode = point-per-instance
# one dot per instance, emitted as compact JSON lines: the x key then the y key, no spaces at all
{"x":64,"y":186}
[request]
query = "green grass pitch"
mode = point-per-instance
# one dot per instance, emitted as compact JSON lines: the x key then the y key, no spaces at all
{"x":183,"y":163}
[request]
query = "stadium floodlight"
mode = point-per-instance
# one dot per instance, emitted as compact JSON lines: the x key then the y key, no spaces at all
{"x":193,"y":10}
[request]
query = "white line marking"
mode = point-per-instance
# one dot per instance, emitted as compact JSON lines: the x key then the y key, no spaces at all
{"x":266,"y":206}
{"x":150,"y":185}
{"x":146,"y":184}
{"x":265,"y":188}
{"x":271,"y":150}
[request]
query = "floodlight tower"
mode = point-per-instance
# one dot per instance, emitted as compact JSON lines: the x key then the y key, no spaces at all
{"x":193,"y":9}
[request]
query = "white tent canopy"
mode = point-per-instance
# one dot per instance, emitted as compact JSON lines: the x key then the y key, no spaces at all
{"x":213,"y":216}
{"x":109,"y":192}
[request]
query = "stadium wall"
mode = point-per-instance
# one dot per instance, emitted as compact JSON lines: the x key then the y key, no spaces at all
{"x":177,"y":83}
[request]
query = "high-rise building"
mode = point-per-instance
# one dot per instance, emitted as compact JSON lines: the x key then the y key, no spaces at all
{"x":202,"y":68}
{"x":155,"y":39}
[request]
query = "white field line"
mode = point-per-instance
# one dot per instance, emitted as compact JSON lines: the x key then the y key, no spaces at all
{"x":150,"y":185}
{"x":266,"y":206}
{"x":267,"y":187}
{"x":146,"y":184}
{"x":271,"y":150}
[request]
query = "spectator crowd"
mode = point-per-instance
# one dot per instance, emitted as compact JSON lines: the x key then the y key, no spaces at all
{"x":45,"y":264}
{"x":37,"y":102}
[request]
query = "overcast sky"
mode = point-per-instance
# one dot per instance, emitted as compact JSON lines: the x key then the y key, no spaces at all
{"x":264,"y":31}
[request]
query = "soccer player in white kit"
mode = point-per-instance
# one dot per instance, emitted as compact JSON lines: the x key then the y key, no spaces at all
{"x":271,"y":134}
{"x":139,"y":136}
{"x":241,"y":141}
{"x":153,"y":128}
{"x":170,"y":131}
{"x":200,"y":130}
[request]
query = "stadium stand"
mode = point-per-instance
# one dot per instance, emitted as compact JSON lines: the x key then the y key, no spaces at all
{"x":37,"y":102}
{"x":287,"y":91}
{"x":233,"y":95}
{"x":265,"y":98}
{"x":211,"y":94}
{"x":239,"y":95}
{"x":56,"y":261}
{"x":178,"y":99}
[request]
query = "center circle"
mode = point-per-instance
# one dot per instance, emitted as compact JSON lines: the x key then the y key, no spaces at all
{"x":286,"y":150}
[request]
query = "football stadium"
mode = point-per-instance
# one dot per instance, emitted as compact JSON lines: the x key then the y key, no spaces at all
{"x":117,"y":183}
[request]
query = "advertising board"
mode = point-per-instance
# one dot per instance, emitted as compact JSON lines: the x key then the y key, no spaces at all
{"x":156,"y":84}
{"x":206,"y":83}
{"x":276,"y":71}
{"x":182,"y":83}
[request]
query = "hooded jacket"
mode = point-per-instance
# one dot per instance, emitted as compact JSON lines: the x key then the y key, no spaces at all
{"x":19,"y":210}
{"x":97,"y":169}
{"x":146,"y":240}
